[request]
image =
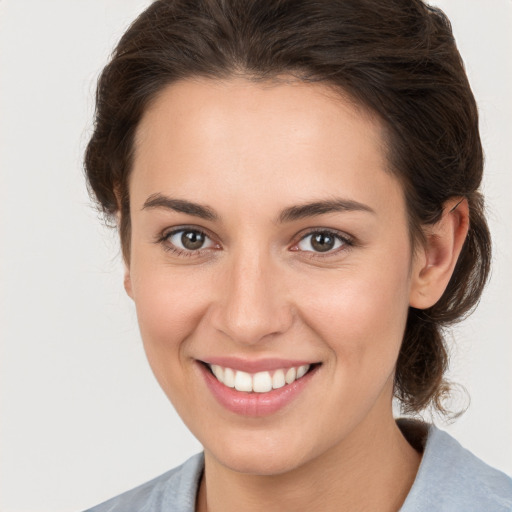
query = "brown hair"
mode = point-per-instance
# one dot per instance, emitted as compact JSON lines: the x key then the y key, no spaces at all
{"x":397,"y":58}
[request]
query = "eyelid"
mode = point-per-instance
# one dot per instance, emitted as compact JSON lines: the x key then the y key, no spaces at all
{"x":163,"y":239}
{"x":184,"y":227}
{"x":347,"y":242}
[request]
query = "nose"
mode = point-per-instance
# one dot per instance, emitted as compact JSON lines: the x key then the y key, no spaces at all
{"x":252,"y":304}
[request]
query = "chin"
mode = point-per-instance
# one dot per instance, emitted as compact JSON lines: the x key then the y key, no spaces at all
{"x":263,"y":456}
{"x":261,"y":464}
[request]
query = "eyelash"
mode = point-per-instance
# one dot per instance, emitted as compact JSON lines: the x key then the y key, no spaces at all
{"x":347,"y":242}
{"x":163,"y":240}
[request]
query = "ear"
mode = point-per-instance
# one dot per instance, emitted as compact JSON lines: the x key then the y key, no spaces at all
{"x":434,"y":262}
{"x":127,"y":281}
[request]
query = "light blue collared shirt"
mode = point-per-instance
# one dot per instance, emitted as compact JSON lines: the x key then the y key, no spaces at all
{"x":449,"y":479}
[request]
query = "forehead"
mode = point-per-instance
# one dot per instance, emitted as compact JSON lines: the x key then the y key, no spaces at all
{"x":284,"y":106}
{"x":288,"y":138}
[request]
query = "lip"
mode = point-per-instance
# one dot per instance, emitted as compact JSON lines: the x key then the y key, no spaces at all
{"x":255,"y":404}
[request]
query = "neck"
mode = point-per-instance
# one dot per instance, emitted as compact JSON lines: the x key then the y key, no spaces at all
{"x":371,"y":470}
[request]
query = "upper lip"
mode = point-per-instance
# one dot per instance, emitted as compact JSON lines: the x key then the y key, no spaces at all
{"x":255,"y":365}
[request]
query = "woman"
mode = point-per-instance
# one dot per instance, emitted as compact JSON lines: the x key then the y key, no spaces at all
{"x":296,"y":186}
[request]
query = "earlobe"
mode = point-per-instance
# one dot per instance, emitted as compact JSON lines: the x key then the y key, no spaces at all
{"x":127,"y":281}
{"x":434,"y":262}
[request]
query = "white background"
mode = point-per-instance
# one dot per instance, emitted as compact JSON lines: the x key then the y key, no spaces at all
{"x":81,"y":416}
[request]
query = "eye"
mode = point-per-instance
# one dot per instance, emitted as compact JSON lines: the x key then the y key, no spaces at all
{"x":188,"y":240}
{"x":322,"y":241}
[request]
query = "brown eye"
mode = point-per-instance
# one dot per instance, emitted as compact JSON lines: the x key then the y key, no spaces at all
{"x":189,"y":240}
{"x":192,"y":240}
{"x":321,"y":241}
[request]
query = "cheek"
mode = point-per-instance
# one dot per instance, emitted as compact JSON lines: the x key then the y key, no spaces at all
{"x":360,"y":315}
{"x":169,"y":307}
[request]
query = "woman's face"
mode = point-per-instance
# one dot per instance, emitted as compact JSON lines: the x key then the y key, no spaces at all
{"x":268,"y":235}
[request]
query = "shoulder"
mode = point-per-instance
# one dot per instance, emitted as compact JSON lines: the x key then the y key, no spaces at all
{"x":451,"y":478}
{"x":174,"y":490}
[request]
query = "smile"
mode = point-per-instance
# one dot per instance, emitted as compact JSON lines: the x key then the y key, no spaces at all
{"x":260,"y":382}
{"x":261,"y":388}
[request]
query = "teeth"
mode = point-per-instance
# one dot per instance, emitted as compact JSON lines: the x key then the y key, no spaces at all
{"x":243,"y":381}
{"x":302,"y":370}
{"x":218,"y":371}
{"x":291,"y":375}
{"x":229,"y":378}
{"x":261,"y":382}
{"x":278,"y":379}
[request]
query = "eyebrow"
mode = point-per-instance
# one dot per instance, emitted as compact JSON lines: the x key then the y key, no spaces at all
{"x":180,"y":205}
{"x":289,"y":214}
{"x":320,"y":208}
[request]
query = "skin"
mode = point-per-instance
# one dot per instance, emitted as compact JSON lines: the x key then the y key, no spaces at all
{"x":258,"y":288}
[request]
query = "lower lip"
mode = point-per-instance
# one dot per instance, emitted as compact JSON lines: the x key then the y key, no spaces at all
{"x":255,"y":404}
